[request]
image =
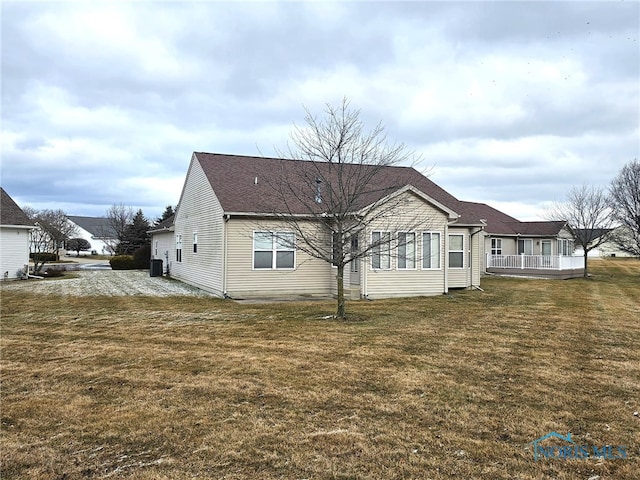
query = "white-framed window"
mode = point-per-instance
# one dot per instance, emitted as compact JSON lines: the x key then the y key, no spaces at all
{"x":155,"y":248}
{"x":380,"y":251}
{"x":274,"y":250}
{"x":431,"y":250}
{"x":195,"y":242}
{"x":525,"y":246}
{"x":456,"y":250}
{"x":565,"y":247}
{"x":179,"y":248}
{"x":406,"y":251}
{"x":496,"y":246}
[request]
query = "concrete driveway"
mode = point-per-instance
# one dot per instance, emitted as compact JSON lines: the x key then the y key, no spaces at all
{"x":107,"y":283}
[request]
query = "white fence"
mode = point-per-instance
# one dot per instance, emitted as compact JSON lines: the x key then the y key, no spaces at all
{"x":535,"y":262}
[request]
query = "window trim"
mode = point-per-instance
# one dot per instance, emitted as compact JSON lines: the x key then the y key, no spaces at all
{"x":429,"y":255}
{"x":179,"y":248}
{"x":274,"y":250}
{"x":406,"y":257}
{"x":496,"y":246}
{"x":525,"y":242}
{"x":565,"y":245}
{"x":195,"y":242}
{"x":377,"y":250}
{"x":461,"y":252}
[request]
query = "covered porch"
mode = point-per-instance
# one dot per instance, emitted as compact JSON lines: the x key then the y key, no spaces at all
{"x":543,"y":266}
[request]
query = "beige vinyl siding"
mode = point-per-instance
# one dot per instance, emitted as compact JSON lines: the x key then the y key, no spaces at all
{"x":509,"y":245}
{"x":166,"y":243}
{"x":309,"y":277}
{"x":416,"y":216}
{"x":14,"y":254}
{"x":199,"y":211}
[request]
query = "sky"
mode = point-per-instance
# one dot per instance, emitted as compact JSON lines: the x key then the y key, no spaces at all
{"x":505,"y":103}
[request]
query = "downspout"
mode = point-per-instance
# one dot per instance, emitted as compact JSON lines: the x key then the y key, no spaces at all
{"x":446,"y":259}
{"x":225,"y":218}
{"x":364,"y":267}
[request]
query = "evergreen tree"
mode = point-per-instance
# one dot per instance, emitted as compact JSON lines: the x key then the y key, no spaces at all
{"x":169,"y":211}
{"x":135,"y":235}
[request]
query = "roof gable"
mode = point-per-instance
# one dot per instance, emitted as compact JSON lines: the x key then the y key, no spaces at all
{"x":10,"y":212}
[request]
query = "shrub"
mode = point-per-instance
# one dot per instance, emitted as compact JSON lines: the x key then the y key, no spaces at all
{"x":43,"y":257}
{"x":53,"y":272}
{"x":142,"y":257}
{"x":122,"y":262}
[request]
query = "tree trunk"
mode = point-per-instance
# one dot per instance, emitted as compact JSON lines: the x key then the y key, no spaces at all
{"x":586,"y":274}
{"x":340,"y":279}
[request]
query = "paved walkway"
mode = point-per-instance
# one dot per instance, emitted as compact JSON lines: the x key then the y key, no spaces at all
{"x":107,"y":283}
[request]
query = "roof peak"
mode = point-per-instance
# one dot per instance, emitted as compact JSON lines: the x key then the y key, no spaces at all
{"x":281,"y":159}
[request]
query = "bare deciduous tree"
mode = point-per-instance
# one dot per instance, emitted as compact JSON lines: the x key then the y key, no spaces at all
{"x":625,"y":199}
{"x":52,"y":230}
{"x":588,"y":215}
{"x":341,"y":190}
{"x":119,"y":217}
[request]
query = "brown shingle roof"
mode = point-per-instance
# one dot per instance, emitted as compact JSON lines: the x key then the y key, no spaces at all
{"x":497,"y":221}
{"x":164,"y":225}
{"x":539,"y":229}
{"x":244,"y":184}
{"x":10,"y":212}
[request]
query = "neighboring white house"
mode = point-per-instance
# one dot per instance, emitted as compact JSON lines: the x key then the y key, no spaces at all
{"x":225,"y":238}
{"x":607,"y":249}
{"x":97,"y":231}
{"x":14,"y":238}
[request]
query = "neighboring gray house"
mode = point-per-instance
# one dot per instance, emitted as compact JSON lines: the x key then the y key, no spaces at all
{"x":97,"y":231}
{"x":224,"y":238}
{"x":14,"y":238}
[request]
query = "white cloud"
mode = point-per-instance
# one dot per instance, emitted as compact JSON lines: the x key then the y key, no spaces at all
{"x":512,"y":102}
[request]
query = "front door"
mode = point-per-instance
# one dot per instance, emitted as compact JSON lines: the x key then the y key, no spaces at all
{"x":545,"y":247}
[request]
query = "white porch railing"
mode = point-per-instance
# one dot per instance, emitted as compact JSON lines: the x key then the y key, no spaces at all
{"x":535,"y":262}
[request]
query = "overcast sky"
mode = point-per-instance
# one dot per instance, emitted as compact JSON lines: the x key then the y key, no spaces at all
{"x":510,"y":103}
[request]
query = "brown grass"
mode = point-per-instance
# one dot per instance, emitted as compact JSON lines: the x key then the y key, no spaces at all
{"x":442,"y":387}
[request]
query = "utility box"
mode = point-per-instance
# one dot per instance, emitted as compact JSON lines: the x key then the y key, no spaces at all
{"x":155,"y":270}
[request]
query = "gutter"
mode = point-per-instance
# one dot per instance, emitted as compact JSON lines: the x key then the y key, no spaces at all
{"x":446,"y":259}
{"x":471,"y":256}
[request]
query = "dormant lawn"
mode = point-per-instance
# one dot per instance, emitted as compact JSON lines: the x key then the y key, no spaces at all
{"x":444,"y":387}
